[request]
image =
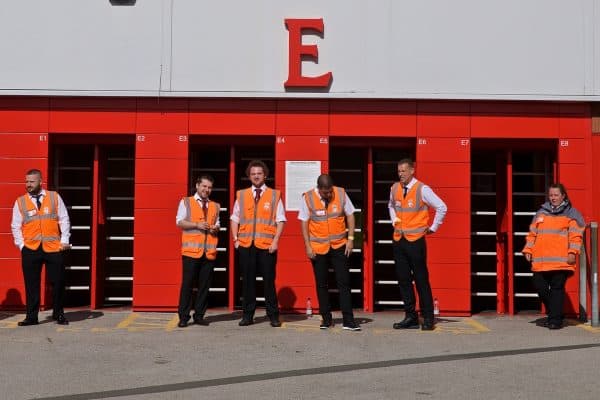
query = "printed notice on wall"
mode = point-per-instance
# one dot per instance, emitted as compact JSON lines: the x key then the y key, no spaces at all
{"x":300,"y":176}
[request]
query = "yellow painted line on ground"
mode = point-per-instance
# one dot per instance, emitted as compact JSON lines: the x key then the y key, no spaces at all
{"x":172,"y":324}
{"x":101,"y":330}
{"x":8,"y":324}
{"x":128,"y":321}
{"x":479,"y":327}
{"x":589,"y":328}
{"x":63,"y":329}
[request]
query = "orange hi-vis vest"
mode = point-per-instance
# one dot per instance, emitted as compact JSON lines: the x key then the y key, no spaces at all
{"x":197,"y":242}
{"x":412,"y":213}
{"x":552,"y":237}
{"x":258,"y":223}
{"x":41,"y":226}
{"x":326,"y":226}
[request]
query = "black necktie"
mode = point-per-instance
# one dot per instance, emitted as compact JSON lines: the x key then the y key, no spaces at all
{"x":326,"y":201}
{"x":38,"y":201}
{"x":405,"y":190}
{"x":257,"y":197}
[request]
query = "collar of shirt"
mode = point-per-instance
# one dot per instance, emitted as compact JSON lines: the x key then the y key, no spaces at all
{"x":262,"y":190}
{"x":411,"y":183}
{"x":319,"y":194}
{"x":198,"y":198}
{"x":42,"y":195}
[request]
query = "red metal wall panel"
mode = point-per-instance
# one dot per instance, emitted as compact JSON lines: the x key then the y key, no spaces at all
{"x":24,"y":114}
{"x":442,"y":129}
{"x":150,"y":195}
{"x":373,"y":118}
{"x":24,"y":145}
{"x":162,"y":116}
{"x":7,"y":246}
{"x":302,"y":117}
{"x":12,"y":170}
{"x":155,"y":297}
{"x":443,"y":150}
{"x":493,"y":126}
{"x":153,"y":270}
{"x":243,"y":117}
{"x":164,"y":171}
{"x":92,"y":115}
{"x":448,"y":125}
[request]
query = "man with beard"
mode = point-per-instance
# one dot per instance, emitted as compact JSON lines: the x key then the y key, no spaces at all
{"x":41,"y":230}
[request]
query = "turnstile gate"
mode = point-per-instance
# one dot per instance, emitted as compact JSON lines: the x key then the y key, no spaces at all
{"x":96,"y":182}
{"x":508,"y":184}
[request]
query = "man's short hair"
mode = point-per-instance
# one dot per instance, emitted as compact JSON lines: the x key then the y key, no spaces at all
{"x":324,"y":181}
{"x":205,"y":177}
{"x":34,"y":171}
{"x":257,"y":163}
{"x":408,"y":161}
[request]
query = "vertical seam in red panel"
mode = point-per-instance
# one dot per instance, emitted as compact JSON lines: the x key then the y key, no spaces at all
{"x":509,"y":245}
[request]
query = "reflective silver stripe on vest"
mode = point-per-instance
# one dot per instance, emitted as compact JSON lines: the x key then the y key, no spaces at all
{"x":528,"y":245}
{"x":549,"y":259}
{"x":50,"y":238}
{"x":560,"y":232}
{"x":188,"y":209}
{"x":53,"y":214}
{"x":578,"y":230}
{"x":328,"y":239}
{"x":256,"y":235}
{"x":409,"y":231}
{"x":418,"y":200}
{"x":575,"y":246}
{"x":193,"y":245}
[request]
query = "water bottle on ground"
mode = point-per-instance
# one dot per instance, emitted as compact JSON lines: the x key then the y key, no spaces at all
{"x":436,"y":307}
{"x":309,"y":311}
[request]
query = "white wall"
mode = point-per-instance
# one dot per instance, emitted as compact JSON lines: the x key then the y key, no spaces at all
{"x":513,"y":49}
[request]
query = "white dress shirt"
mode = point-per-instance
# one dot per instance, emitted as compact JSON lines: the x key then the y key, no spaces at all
{"x":304,"y":215}
{"x":63,"y":221}
{"x":279,"y":217}
{"x":430,"y":198}
{"x":182,"y":211}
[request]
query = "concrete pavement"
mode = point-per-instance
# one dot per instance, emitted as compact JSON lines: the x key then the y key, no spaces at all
{"x":127,"y":355}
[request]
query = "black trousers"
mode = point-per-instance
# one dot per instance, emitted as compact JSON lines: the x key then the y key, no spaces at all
{"x":411,"y":264}
{"x":550,"y":286}
{"x":253,"y":259}
{"x":338,"y":260}
{"x":31,"y":263}
{"x":195,"y":270}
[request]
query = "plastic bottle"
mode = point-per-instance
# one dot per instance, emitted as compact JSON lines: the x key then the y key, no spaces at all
{"x":436,"y":307}
{"x":309,"y":312}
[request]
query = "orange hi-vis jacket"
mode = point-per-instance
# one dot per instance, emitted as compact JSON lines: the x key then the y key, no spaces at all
{"x":258,"y":223}
{"x":197,"y":242}
{"x":412,"y":213}
{"x":326,"y":226}
{"x":41,"y":226}
{"x":553,"y":235}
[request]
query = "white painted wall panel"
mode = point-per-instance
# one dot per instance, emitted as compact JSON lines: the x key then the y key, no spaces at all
{"x":508,"y":49}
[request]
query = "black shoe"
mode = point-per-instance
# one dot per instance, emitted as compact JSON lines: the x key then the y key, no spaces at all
{"x":553,"y":326}
{"x":27,"y":322}
{"x":542,"y":322}
{"x":409,"y":322}
{"x":61,"y":320}
{"x":245,"y":322}
{"x":326,"y":322}
{"x":428,"y":325}
{"x":200,"y":321}
{"x":182,"y":323}
{"x":351,"y":326}
{"x":275,"y":323}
